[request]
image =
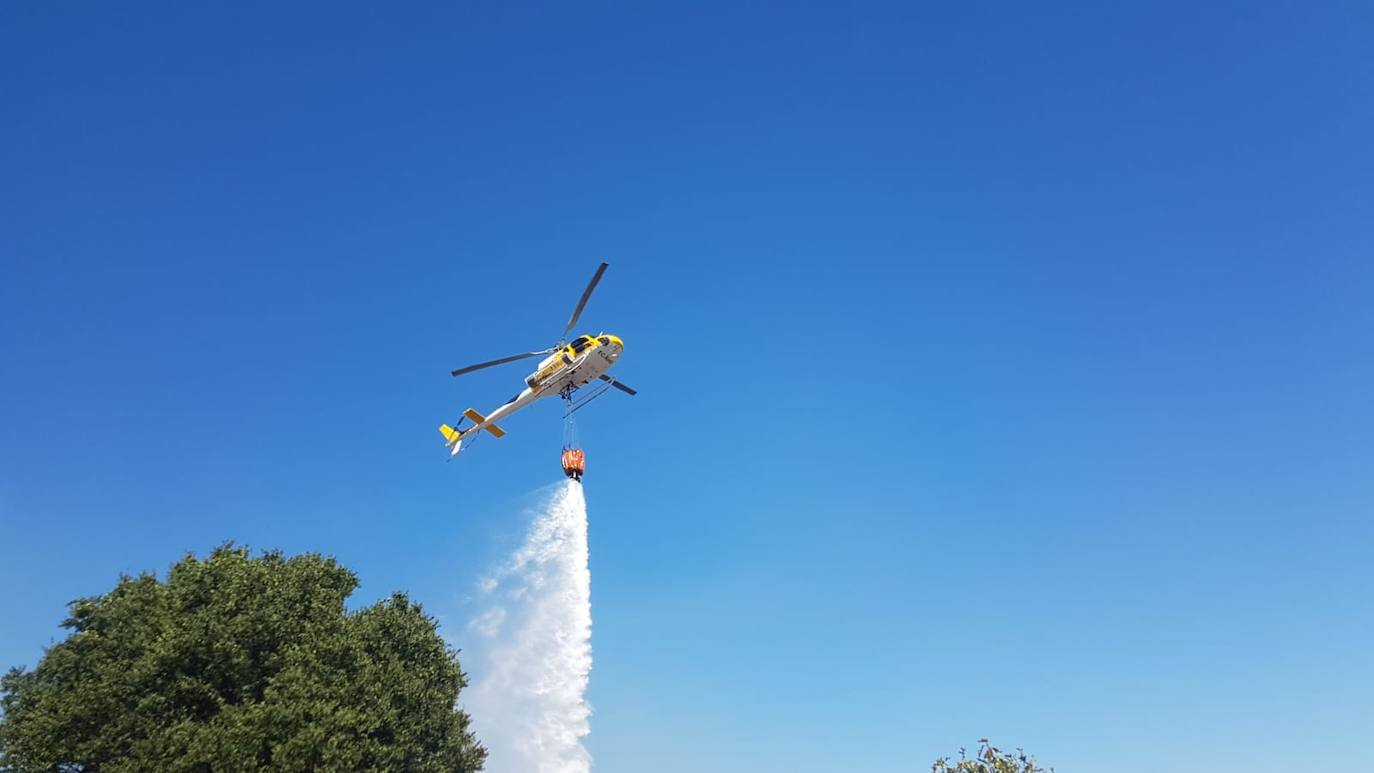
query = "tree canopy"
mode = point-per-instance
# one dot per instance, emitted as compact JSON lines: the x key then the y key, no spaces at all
{"x":240,"y":663}
{"x":988,"y":759}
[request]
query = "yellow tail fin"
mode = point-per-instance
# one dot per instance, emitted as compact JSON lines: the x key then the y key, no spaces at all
{"x":448,"y":432}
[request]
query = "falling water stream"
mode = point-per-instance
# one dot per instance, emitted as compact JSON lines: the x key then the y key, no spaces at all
{"x":529,"y":701}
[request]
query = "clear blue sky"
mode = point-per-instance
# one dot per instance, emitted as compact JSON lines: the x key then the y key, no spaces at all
{"x":1004,"y":370}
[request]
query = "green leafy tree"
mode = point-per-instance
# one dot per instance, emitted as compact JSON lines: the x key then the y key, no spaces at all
{"x":988,"y":759}
{"x":240,"y":663}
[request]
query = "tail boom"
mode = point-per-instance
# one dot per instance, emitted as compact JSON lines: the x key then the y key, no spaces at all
{"x":453,"y":437}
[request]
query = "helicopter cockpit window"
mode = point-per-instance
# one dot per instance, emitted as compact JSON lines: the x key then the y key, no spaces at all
{"x":580,"y":343}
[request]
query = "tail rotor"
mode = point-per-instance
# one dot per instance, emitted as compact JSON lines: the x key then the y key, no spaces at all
{"x":453,"y":436}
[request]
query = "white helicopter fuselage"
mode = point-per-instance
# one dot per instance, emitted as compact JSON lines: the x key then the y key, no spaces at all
{"x":579,"y":363}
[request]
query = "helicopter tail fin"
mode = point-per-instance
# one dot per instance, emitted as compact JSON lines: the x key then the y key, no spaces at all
{"x":454,"y":439}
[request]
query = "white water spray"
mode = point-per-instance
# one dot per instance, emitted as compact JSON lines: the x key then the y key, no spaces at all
{"x":529,"y":702}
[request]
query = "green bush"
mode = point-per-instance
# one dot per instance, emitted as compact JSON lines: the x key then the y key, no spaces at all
{"x":988,"y":759}
{"x":240,"y":663}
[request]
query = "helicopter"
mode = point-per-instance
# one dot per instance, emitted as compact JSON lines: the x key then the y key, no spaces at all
{"x":567,"y":367}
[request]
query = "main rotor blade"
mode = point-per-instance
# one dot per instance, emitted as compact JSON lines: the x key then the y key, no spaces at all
{"x":618,"y":385}
{"x":581,"y":304}
{"x":501,"y":361}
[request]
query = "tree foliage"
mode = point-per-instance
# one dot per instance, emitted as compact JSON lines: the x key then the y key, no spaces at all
{"x":988,"y":759}
{"x":240,"y":663}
